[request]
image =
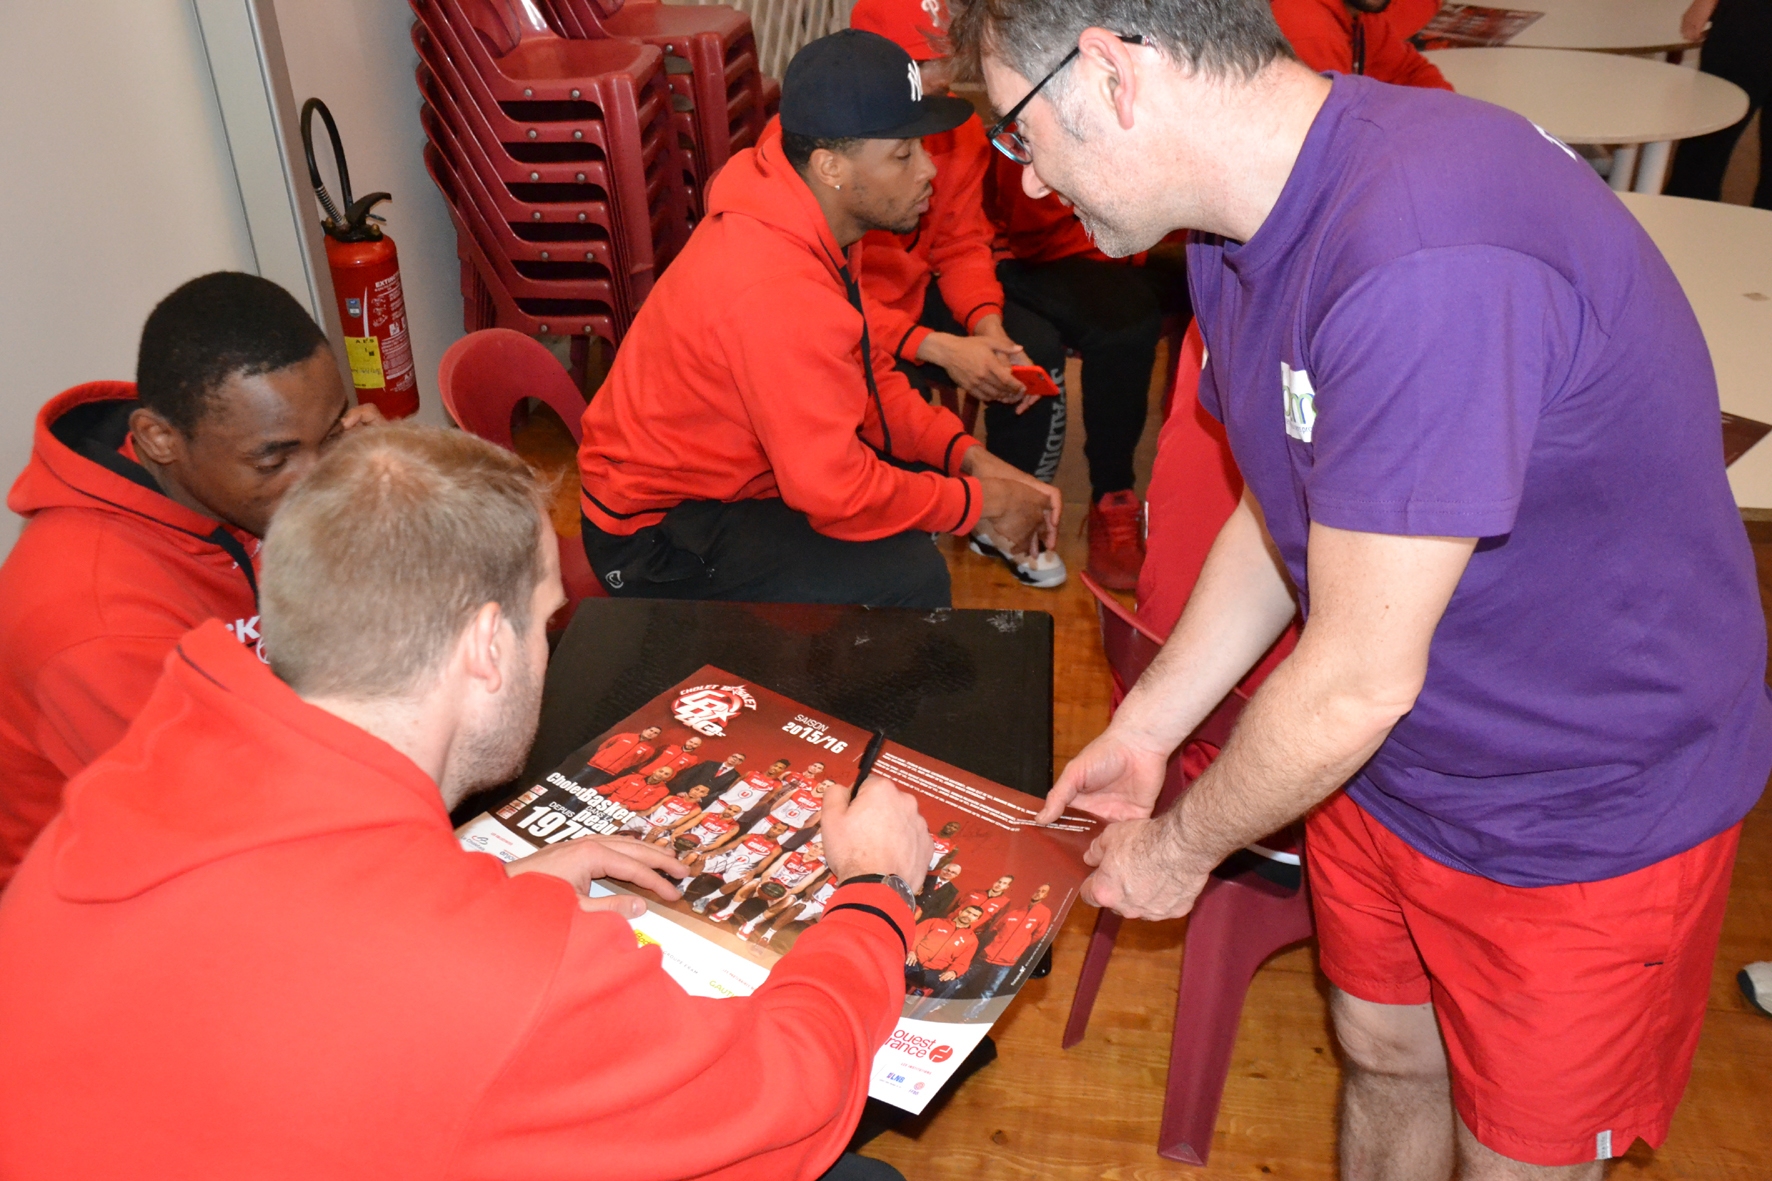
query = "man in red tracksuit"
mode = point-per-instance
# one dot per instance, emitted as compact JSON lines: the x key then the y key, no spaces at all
{"x":933,"y":297}
{"x":1006,"y":939}
{"x":251,"y":946}
{"x":144,"y":504}
{"x":1009,"y":937}
{"x":675,"y":757}
{"x":1358,"y":37}
{"x":616,"y":754}
{"x":1052,"y":292}
{"x":942,"y":951}
{"x":639,"y":793}
{"x":1111,"y":312}
{"x":753,"y":440}
{"x":989,"y":901}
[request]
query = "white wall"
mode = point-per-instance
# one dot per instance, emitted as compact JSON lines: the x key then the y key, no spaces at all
{"x":115,"y":186}
{"x":356,"y":56}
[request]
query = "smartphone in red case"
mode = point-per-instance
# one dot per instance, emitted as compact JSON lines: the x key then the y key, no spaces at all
{"x":1037,"y":380}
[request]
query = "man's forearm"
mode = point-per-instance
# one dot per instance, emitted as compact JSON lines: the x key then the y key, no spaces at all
{"x":1239,"y":607}
{"x":1355,"y":673}
{"x":1300,"y":738}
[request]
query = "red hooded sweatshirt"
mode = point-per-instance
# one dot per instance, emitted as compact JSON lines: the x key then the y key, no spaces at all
{"x":250,"y":946}
{"x":106,"y":577}
{"x":1033,"y":231}
{"x":951,"y":244}
{"x":1326,"y":35}
{"x":742,"y":378}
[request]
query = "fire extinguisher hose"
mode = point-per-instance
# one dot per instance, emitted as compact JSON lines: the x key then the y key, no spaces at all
{"x":351,"y":225}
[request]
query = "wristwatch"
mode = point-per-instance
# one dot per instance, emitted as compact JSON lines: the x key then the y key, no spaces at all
{"x":890,"y":880}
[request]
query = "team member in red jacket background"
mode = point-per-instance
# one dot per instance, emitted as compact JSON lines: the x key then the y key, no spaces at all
{"x":1358,"y":37}
{"x":1111,"y":312}
{"x":942,"y":950}
{"x":250,"y":945}
{"x":618,"y":753}
{"x":144,"y":504}
{"x":933,"y":296}
{"x":753,"y":441}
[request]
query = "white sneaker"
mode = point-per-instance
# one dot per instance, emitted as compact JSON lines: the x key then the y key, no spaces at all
{"x":1044,"y":570}
{"x":1756,"y":985}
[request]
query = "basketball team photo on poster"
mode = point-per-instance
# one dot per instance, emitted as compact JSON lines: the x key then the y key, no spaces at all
{"x":731,"y":778}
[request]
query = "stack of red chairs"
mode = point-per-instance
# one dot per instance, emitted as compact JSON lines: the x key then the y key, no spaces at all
{"x":719,"y":94}
{"x":561,"y":163}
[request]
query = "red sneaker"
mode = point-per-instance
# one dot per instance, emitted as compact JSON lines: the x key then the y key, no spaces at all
{"x":1116,"y":540}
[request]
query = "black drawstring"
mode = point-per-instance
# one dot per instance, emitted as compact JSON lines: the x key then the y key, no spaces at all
{"x":232,"y":547}
{"x":867,"y":355}
{"x":1359,"y":45}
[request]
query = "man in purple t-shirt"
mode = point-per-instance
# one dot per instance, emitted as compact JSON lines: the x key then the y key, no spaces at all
{"x":1479,"y":429}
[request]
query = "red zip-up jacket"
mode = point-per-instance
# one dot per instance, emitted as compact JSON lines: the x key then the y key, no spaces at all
{"x":620,"y":752}
{"x":742,"y":378}
{"x":1323,"y":34}
{"x":1033,"y":231}
{"x":250,"y":946}
{"x":942,"y":947}
{"x":1017,"y":930}
{"x":107,"y":575}
{"x":951,"y":244}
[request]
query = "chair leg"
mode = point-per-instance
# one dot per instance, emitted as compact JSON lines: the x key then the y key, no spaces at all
{"x":1235,"y":927}
{"x":1095,"y":961}
{"x":581,"y":362}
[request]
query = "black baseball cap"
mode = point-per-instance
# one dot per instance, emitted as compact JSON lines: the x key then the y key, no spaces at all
{"x":859,"y":85}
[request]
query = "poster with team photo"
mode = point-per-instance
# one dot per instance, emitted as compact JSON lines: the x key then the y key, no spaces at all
{"x":1460,"y":26}
{"x":731,"y":778}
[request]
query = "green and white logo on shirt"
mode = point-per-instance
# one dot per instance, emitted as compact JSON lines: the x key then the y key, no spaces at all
{"x":1301,"y":402}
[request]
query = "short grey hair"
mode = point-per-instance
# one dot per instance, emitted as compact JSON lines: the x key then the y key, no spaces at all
{"x":1219,"y":38}
{"x":381,"y":555}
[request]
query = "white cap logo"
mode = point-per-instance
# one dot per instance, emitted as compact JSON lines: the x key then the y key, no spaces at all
{"x":916,"y":83}
{"x":933,"y":8}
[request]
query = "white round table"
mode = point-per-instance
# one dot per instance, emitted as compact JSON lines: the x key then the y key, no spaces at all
{"x":1599,"y":98}
{"x":1722,"y":255}
{"x":1610,"y":26}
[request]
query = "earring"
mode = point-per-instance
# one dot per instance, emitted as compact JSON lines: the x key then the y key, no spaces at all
{"x":839,"y":188}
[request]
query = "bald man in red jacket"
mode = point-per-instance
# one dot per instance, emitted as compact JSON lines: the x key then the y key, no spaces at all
{"x":251,"y":945}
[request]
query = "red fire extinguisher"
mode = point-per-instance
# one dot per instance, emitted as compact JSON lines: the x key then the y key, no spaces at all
{"x":366,"y":279}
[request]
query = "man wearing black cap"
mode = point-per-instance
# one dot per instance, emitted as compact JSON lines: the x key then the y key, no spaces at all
{"x":752,"y":441}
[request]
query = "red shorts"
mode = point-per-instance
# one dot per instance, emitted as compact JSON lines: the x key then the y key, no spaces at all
{"x":1570,"y":1013}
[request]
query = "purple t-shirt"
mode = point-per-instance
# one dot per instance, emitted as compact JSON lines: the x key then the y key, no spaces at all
{"x":1449,"y":326}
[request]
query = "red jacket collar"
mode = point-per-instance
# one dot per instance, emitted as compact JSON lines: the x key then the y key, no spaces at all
{"x":57,"y":476}
{"x":760,"y":183}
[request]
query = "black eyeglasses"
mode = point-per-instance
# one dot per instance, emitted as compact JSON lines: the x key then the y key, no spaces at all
{"x":1004,"y":135}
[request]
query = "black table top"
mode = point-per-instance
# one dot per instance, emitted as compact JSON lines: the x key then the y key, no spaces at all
{"x":972,"y":688}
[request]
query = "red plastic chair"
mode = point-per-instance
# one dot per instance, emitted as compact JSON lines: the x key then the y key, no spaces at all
{"x":1237,"y":923}
{"x":550,"y":137}
{"x":527,"y":269}
{"x":534,"y":86}
{"x":719,"y":76}
{"x":535,"y":312}
{"x":483,"y":377}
